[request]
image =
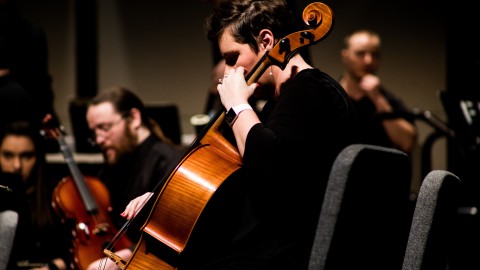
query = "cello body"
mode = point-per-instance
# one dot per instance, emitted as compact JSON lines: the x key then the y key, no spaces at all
{"x":183,"y":198}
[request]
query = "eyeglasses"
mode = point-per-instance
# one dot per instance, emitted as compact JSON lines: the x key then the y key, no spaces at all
{"x":102,"y":130}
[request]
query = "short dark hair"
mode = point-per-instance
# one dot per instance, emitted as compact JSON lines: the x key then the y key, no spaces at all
{"x":245,"y":18}
{"x":346,"y":39}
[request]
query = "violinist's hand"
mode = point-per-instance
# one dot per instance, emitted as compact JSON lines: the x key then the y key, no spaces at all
{"x":107,"y":264}
{"x":135,"y":205}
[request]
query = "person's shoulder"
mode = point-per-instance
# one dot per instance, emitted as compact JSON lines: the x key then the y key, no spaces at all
{"x":13,"y":91}
{"x":166,"y":156}
{"x":316,"y":73}
{"x":8,"y":81}
{"x":319,"y":78}
{"x":388,"y":93}
{"x":390,"y":96}
{"x":166,"y":149}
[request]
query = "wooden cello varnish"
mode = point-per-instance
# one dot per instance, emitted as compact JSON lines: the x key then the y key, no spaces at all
{"x":183,"y":198}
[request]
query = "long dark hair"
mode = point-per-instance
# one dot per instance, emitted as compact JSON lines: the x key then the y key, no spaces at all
{"x":41,"y":196}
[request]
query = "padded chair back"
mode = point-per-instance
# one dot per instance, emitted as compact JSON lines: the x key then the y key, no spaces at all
{"x":8,"y":227}
{"x":434,"y":222}
{"x":167,"y":116}
{"x":365,"y":216}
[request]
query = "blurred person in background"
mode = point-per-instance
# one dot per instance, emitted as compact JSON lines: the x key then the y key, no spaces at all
{"x":26,"y":45}
{"x":41,"y":240}
{"x":384,"y":118}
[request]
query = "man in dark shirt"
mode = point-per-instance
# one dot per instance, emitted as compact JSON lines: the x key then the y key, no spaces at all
{"x":137,"y":157}
{"x":383,"y":117}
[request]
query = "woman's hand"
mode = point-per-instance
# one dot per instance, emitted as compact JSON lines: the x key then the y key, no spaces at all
{"x":233,"y":88}
{"x":135,"y":205}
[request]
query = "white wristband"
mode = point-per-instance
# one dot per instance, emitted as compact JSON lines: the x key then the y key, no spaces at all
{"x":232,"y":114}
{"x":241,"y":107}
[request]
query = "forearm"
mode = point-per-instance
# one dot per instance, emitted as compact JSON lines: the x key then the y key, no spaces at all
{"x":245,"y":121}
{"x":402,"y":133}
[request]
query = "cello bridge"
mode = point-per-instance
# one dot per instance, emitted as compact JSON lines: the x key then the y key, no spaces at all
{"x":115,"y":258}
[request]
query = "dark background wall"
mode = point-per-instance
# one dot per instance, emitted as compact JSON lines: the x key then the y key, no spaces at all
{"x":159,"y":49}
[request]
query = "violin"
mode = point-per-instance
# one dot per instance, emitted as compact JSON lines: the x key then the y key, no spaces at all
{"x":210,"y":160}
{"x":84,"y":202}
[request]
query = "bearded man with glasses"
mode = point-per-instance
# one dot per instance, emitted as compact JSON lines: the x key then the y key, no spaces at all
{"x":137,"y":155}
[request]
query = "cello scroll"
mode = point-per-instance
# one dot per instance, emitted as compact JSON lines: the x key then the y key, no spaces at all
{"x":318,"y":17}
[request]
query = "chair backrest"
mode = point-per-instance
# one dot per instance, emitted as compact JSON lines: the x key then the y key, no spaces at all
{"x":366,"y":212}
{"x":81,"y":133}
{"x":434,"y":222}
{"x":8,"y":227}
{"x":167,"y":115}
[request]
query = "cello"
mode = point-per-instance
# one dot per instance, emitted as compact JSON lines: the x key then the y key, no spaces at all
{"x":85,"y":202}
{"x":210,"y":160}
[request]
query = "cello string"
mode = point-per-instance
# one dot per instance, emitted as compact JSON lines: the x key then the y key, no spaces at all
{"x":119,"y":235}
{"x":103,"y":263}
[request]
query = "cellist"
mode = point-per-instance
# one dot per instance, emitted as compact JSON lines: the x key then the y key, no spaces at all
{"x":307,"y":120}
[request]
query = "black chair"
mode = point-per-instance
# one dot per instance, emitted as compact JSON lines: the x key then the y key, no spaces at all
{"x":366,"y":213}
{"x":432,"y":234}
{"x":78,"y":111}
{"x":462,"y":108}
{"x":167,"y":115}
{"x":8,"y":227}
